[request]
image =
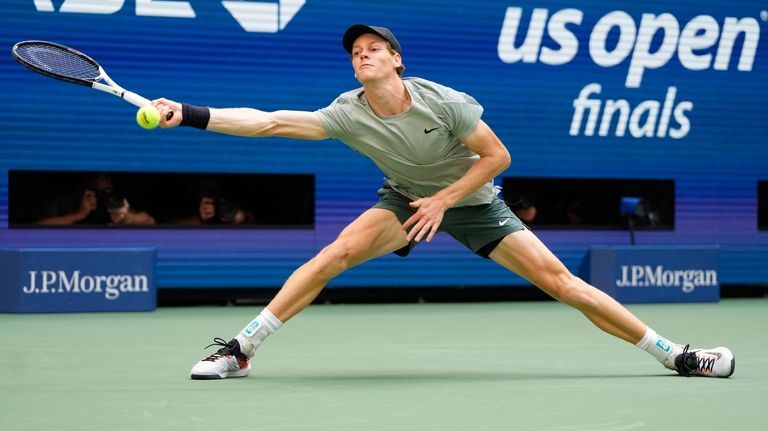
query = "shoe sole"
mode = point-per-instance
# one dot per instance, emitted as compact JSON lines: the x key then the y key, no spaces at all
{"x":733,"y":366}
{"x":227,"y":375}
{"x":213,"y":376}
{"x":206,"y":377}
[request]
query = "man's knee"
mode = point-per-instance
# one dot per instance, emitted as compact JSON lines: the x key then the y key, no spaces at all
{"x":332,"y":260}
{"x":570,"y":290}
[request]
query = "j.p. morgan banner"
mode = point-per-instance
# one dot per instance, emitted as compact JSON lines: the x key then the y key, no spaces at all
{"x":656,"y":274}
{"x":59,"y":280}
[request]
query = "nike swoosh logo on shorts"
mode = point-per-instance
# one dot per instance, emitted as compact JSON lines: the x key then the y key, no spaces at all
{"x":503,"y":222}
{"x":430,"y":130}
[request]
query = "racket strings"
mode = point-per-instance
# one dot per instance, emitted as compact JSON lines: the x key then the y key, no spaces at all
{"x":58,"y":60}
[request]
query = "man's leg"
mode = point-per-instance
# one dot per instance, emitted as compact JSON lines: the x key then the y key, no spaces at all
{"x":523,"y":253}
{"x":374,"y":233}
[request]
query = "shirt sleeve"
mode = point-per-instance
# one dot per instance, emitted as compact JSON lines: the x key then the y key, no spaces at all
{"x":335,"y":119}
{"x":463,"y":115}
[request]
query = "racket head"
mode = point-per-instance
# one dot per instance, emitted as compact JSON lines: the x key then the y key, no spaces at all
{"x":58,"y":62}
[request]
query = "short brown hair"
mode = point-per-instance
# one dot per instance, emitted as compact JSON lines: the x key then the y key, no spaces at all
{"x":400,"y":68}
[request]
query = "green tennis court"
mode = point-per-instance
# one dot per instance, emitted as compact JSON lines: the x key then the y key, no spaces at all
{"x":479,"y":366}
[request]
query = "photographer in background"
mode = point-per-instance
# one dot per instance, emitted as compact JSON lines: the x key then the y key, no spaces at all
{"x":525,"y":209}
{"x":229,"y":211}
{"x":87,"y":207}
{"x":83,"y":205}
{"x":204,"y":197}
{"x":121,"y":213}
{"x":213,"y":209}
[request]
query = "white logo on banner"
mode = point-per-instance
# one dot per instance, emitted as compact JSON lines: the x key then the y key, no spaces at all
{"x":686,"y":280}
{"x":263,"y":17}
{"x":257,"y":17}
{"x":60,"y":282}
{"x":699,"y":44}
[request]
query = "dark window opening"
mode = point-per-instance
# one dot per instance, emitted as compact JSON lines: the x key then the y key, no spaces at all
{"x":142,"y":199}
{"x":578,"y":203}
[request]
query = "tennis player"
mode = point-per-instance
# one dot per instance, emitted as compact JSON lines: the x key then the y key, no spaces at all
{"x":439,"y":159}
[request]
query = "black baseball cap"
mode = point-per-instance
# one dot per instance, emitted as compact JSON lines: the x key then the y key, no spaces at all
{"x":357,"y":30}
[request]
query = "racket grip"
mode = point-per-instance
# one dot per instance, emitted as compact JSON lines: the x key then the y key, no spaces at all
{"x":135,"y":99}
{"x":139,"y":101}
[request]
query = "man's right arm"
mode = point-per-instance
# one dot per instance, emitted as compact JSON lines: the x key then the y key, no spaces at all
{"x":251,"y":122}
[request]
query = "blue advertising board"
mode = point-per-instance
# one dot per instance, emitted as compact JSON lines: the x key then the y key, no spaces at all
{"x":74,"y":280}
{"x":574,"y":89}
{"x":655,"y":274}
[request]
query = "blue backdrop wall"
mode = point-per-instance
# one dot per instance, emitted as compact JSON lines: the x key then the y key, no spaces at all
{"x":691,"y":76}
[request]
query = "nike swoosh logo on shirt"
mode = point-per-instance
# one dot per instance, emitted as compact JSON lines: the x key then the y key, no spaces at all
{"x":430,"y":130}
{"x":503,"y":222}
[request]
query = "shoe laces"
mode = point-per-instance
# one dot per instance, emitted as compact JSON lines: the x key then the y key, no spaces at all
{"x":689,"y":363}
{"x":229,"y":348}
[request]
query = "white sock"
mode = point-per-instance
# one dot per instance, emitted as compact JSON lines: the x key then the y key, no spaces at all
{"x":660,"y":348}
{"x":251,"y":337}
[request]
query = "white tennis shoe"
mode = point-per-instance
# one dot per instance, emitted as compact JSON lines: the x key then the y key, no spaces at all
{"x":227,"y":362}
{"x":717,"y":362}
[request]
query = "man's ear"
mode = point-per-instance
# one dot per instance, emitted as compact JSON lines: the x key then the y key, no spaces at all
{"x":398,"y":60}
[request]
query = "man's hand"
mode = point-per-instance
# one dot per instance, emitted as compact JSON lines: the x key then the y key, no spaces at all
{"x":166,"y":106}
{"x":427,"y":219}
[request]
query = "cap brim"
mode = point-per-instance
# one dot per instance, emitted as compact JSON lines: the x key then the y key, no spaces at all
{"x":355,"y":31}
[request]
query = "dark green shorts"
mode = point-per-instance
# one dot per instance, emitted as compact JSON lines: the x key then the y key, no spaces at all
{"x":479,"y":227}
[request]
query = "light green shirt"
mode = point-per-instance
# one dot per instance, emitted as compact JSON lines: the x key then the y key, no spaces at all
{"x":419,"y":150}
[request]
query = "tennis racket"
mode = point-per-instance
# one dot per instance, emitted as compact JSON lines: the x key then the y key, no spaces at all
{"x":69,"y":65}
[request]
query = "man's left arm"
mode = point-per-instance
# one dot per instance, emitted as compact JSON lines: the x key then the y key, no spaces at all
{"x":494,"y":159}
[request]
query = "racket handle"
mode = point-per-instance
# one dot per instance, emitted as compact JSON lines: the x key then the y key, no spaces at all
{"x":139,"y":101}
{"x":135,"y":99}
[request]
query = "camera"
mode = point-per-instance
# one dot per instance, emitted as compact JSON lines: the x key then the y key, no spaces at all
{"x":226,"y":210}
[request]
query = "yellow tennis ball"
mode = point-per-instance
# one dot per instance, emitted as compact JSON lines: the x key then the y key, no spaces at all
{"x":148,"y":117}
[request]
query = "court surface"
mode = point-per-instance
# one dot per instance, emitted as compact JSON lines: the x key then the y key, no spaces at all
{"x":479,"y":366}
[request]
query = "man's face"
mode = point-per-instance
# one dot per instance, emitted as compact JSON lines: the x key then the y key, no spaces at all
{"x":89,"y":200}
{"x":118,"y":215}
{"x":207,"y":209}
{"x":371,"y":58}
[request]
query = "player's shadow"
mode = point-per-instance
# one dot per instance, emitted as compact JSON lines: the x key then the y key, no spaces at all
{"x":397,"y":376}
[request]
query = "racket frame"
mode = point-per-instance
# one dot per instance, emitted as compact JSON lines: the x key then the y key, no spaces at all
{"x":110,"y":87}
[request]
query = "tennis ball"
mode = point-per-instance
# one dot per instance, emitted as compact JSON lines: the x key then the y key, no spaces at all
{"x":148,"y":117}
